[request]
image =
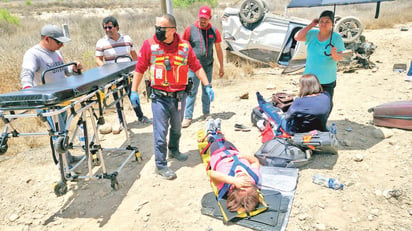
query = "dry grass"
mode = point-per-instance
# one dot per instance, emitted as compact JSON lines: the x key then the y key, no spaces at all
{"x":84,"y":20}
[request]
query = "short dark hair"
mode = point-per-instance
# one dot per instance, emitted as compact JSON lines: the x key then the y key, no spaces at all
{"x":171,"y":19}
{"x":327,"y":13}
{"x":110,"y":19}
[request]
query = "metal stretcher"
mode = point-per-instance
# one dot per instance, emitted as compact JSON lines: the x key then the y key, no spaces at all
{"x":76,"y":97}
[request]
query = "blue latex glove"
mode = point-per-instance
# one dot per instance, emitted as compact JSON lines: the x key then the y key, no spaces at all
{"x":210,"y":93}
{"x":134,"y":98}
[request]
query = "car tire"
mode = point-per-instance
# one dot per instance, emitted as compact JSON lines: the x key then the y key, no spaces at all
{"x":350,"y":28}
{"x":251,"y":11}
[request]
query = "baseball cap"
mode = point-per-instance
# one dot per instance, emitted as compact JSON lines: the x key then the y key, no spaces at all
{"x":205,"y":12}
{"x":55,"y":32}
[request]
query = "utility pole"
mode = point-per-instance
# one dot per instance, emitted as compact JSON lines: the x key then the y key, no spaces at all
{"x":166,"y":6}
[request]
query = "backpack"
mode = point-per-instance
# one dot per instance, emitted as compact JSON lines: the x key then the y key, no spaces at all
{"x":279,"y":152}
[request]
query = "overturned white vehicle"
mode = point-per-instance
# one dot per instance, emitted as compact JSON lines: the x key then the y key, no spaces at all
{"x":251,"y":32}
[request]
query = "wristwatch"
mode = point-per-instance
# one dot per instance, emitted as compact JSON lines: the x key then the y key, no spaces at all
{"x":209,"y":85}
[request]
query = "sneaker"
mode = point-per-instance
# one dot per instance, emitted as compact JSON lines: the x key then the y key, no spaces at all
{"x":105,"y":129}
{"x":210,"y":126}
{"x":177,"y":155}
{"x":218,"y":124}
{"x":166,"y":173}
{"x":145,"y":120}
{"x":186,"y":122}
{"x":116,"y":129}
{"x":241,"y":127}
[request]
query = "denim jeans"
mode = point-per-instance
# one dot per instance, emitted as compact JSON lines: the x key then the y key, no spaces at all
{"x":137,"y":110}
{"x":62,"y":118}
{"x":190,"y":102}
{"x":330,"y":88}
{"x":165,"y":113}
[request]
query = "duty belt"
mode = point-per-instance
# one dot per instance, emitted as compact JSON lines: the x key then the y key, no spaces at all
{"x":178,"y":94}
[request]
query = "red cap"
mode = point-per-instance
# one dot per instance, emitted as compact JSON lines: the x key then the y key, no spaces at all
{"x":205,"y":12}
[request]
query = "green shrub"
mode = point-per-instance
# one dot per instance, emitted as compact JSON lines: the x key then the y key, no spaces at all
{"x":28,"y":3}
{"x":186,"y":3}
{"x":7,"y":17}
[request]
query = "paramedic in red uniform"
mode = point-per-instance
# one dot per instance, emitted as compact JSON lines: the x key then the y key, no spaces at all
{"x":168,"y":59}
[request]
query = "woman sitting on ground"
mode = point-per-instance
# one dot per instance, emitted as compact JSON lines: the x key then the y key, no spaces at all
{"x":235,"y":175}
{"x":310,"y":110}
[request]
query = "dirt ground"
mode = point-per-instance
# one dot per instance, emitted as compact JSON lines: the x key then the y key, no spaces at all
{"x":371,"y":162}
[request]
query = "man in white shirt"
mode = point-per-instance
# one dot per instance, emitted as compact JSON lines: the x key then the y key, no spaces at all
{"x":114,"y":45}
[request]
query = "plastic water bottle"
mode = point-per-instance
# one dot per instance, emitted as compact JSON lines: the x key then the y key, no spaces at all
{"x":327,"y":182}
{"x":333,"y":128}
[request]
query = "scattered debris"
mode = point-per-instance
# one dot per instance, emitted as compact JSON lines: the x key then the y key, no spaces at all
{"x":358,"y":157}
{"x":399,"y":67}
{"x":348,"y":129}
{"x":362,"y":50}
{"x":395,"y":193}
{"x":245,"y":96}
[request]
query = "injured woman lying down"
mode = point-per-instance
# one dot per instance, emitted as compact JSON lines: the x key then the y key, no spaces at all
{"x":236,"y":176}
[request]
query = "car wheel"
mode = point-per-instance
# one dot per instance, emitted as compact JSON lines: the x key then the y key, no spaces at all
{"x":251,"y":11}
{"x":337,"y":18}
{"x":350,"y":28}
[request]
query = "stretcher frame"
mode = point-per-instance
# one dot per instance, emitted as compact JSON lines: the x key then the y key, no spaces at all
{"x":77,"y":108}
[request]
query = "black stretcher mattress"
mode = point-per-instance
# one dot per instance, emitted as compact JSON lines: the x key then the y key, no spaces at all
{"x":65,"y":89}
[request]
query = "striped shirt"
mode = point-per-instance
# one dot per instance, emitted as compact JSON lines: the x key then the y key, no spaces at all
{"x":110,"y":49}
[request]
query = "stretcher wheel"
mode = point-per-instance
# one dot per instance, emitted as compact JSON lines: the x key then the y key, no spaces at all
{"x":3,"y":148}
{"x":3,"y":144}
{"x":61,"y":144}
{"x":60,"y":188}
{"x":138,"y":156}
{"x":114,"y":183}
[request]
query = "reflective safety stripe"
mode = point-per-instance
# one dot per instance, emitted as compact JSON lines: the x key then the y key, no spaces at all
{"x":173,"y":76}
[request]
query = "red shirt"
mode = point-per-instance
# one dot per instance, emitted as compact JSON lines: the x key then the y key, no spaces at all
{"x":145,"y":54}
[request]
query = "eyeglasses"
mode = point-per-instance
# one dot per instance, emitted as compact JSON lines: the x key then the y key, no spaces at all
{"x":107,"y":27}
{"x":163,"y":28}
{"x":57,"y":41}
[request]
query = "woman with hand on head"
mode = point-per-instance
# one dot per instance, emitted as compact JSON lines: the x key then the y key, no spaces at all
{"x":234,"y":174}
{"x":324,"y":50}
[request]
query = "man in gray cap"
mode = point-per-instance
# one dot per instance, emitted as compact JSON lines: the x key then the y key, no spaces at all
{"x":46,"y":55}
{"x":43,"y":56}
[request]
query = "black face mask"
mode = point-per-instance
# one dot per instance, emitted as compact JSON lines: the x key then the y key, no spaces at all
{"x":160,"y":34}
